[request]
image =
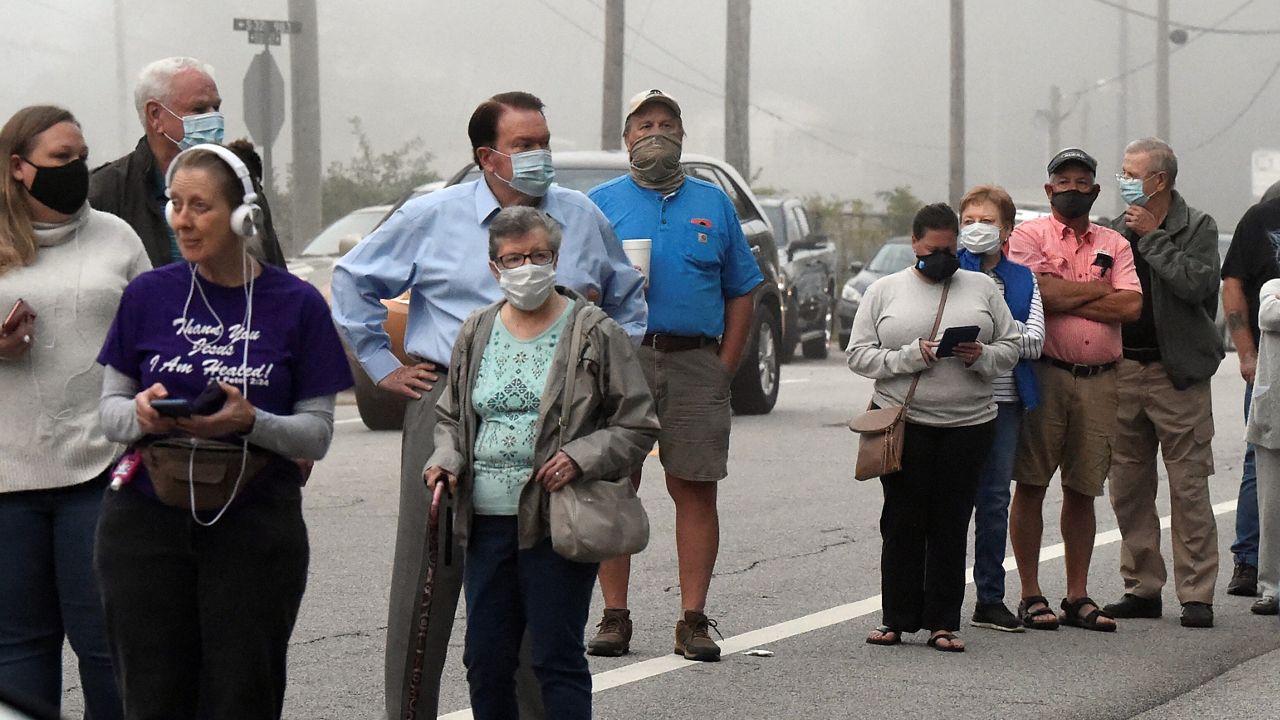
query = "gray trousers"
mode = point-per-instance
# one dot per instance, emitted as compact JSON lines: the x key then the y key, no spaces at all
{"x":406,"y":613}
{"x":1268,"y":461}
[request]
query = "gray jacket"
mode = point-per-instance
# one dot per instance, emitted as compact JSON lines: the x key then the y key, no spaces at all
{"x":609,"y":430}
{"x":1183,"y":256}
{"x":1264,"y":412}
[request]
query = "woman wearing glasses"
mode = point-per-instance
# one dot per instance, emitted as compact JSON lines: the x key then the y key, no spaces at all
{"x":497,"y":445}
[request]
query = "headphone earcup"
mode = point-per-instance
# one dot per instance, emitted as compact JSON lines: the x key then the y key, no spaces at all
{"x":244,"y":220}
{"x":168,"y":212}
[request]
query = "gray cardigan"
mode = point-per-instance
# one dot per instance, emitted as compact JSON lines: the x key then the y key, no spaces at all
{"x":611,"y":425}
{"x":1264,"y":411}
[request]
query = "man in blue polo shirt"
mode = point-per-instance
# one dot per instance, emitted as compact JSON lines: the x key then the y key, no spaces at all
{"x":700,"y":302}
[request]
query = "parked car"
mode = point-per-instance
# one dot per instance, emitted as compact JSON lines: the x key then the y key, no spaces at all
{"x":894,"y":255}
{"x":315,"y":263}
{"x":754,"y":387}
{"x":808,"y":263}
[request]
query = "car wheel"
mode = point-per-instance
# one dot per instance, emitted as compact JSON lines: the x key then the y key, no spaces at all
{"x":791,"y":337}
{"x":755,"y":387}
{"x":379,"y":409}
{"x":819,"y":348}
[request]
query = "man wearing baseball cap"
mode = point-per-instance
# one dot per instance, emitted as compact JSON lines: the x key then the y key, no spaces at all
{"x":701,"y":278}
{"x":1089,"y":286}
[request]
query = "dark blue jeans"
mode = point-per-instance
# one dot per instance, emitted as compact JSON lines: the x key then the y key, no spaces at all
{"x":48,"y":592}
{"x":509,"y":589}
{"x":1245,"y":548}
{"x":991,"y":506}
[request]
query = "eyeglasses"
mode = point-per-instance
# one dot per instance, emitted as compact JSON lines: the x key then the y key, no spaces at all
{"x":1122,"y":177}
{"x":511,"y":261}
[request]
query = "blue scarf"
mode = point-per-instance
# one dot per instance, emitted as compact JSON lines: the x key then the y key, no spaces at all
{"x":1019,"y":284}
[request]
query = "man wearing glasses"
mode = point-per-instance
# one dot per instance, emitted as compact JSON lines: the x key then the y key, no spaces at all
{"x":1170,"y":353}
{"x":1089,"y":287}
{"x":436,"y":247}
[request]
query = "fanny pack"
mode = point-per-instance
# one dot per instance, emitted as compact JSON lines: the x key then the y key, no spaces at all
{"x":201,"y":474}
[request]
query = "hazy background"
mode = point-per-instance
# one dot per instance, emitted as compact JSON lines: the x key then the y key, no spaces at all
{"x":854,"y":92}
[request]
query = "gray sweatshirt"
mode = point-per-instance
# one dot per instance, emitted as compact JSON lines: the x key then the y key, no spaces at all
{"x":897,"y":311}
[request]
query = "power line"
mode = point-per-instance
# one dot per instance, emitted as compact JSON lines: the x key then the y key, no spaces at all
{"x":1243,"y":111}
{"x":1187,"y":26}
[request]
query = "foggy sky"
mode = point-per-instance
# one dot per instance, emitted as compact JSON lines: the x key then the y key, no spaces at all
{"x":868,"y":77}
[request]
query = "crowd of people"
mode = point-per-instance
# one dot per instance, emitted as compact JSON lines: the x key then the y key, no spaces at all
{"x":169,"y":386}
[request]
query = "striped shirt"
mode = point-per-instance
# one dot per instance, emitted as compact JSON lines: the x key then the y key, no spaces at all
{"x":1004,"y":388}
{"x":1047,"y":246}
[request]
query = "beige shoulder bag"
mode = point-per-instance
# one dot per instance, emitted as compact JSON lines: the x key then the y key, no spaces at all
{"x":881,"y":430}
{"x":594,"y":520}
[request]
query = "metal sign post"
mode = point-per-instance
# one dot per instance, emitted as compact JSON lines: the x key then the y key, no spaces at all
{"x":264,"y":86}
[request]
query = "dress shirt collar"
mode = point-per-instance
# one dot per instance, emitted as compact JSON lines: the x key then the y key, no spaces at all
{"x":1064,"y":233}
{"x":487,"y":203}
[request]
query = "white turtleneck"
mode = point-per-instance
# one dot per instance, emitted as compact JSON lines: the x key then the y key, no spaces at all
{"x":49,"y":435}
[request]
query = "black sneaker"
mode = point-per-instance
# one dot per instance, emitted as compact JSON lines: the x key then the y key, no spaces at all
{"x":996,"y":617}
{"x":1244,"y":580}
{"x":1132,"y":606}
{"x":1197,"y":615}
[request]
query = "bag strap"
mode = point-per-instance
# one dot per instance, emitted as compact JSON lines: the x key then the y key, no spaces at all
{"x":571,"y":373}
{"x":937,"y":320}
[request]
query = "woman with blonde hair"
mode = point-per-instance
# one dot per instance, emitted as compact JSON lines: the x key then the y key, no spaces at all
{"x":63,"y":269}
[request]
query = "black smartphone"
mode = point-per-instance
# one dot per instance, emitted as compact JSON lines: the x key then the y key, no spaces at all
{"x":953,"y":336}
{"x":210,"y":400}
{"x":172,"y":407}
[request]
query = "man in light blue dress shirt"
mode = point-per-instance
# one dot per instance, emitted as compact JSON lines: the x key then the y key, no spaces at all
{"x":436,"y":247}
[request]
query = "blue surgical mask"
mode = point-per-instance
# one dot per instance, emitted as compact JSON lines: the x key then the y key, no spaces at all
{"x":1131,"y":190}
{"x":197,"y":129}
{"x":531,"y":172}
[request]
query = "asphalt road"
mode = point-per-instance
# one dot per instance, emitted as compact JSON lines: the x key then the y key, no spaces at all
{"x":798,"y":576}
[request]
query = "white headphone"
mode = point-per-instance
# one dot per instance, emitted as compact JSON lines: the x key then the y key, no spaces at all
{"x":244,"y":218}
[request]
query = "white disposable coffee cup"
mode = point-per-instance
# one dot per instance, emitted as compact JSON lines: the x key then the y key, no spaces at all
{"x":638,"y":253}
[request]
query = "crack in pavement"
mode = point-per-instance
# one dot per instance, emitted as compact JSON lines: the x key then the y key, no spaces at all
{"x":757,"y":563}
{"x":353,"y":633}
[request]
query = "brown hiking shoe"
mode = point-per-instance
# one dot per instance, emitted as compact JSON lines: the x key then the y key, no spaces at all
{"x":693,"y":640}
{"x":613,"y":638}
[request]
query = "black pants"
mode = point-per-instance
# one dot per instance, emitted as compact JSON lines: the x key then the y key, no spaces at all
{"x":199,"y":618}
{"x":925,"y":525}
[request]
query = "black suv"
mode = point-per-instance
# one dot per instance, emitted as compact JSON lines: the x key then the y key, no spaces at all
{"x":808,"y":264}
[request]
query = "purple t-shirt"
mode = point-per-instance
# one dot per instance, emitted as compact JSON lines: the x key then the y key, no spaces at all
{"x":294,"y":351}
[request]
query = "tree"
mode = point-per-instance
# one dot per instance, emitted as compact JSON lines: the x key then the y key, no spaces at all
{"x":374,"y":179}
{"x":900,"y":206}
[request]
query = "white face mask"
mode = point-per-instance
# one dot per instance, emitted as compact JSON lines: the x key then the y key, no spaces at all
{"x":528,"y":286}
{"x":980,"y":238}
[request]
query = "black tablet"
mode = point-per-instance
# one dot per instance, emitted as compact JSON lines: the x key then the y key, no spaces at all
{"x":954,"y":336}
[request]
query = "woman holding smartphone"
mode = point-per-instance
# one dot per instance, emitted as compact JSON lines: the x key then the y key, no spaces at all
{"x":63,"y":269}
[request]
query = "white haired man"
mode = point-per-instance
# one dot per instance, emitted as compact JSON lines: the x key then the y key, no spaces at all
{"x":179,"y":106}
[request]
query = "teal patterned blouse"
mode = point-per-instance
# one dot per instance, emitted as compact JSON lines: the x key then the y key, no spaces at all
{"x":507,"y":395}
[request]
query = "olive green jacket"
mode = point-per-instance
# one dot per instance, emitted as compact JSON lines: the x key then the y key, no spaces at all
{"x":609,"y":430}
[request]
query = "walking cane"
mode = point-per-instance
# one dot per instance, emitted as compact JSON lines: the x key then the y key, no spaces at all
{"x":428,"y":585}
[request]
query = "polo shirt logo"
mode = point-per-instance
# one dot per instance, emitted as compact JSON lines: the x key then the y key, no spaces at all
{"x":701,"y":221}
{"x":702,"y":238}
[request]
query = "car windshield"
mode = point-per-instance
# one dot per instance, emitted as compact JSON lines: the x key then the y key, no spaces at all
{"x":360,"y":222}
{"x":774,"y":213}
{"x":580,"y":179}
{"x":891,"y":258}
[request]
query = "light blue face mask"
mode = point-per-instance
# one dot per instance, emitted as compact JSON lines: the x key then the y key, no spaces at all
{"x":197,"y":129}
{"x":531,"y":172}
{"x":1131,"y":190}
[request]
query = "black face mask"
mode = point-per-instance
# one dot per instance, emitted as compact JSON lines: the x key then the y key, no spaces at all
{"x":61,"y":188}
{"x":937,"y":265}
{"x":1072,"y":204}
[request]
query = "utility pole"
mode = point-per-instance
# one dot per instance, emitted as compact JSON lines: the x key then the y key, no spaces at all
{"x":304,"y":71}
{"x":611,"y":112}
{"x":1162,"y":71}
{"x":737,"y":102}
{"x":1122,"y":100}
{"x":956,"y":185}
{"x":1054,"y":117}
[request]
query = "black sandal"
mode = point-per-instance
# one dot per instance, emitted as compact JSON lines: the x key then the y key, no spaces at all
{"x":1029,"y":616}
{"x":882,"y":640}
{"x":950,"y":637}
{"x":1071,"y":615}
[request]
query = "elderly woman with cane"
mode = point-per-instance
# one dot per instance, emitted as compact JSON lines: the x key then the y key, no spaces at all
{"x":507,"y":440}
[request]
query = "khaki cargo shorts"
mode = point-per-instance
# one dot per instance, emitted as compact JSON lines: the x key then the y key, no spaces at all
{"x":691,"y":391}
{"x":1072,"y":429}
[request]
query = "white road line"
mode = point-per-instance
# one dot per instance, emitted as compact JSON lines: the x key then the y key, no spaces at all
{"x":646,"y":669}
{"x":789,"y":381}
{"x":348,"y":420}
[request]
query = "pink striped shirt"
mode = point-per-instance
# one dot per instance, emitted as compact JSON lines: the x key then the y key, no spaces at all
{"x":1047,"y":246}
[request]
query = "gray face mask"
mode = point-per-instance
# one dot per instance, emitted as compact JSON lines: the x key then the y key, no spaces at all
{"x":655,"y":163}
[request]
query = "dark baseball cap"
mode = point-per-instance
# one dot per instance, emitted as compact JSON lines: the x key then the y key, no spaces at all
{"x":1073,"y":155}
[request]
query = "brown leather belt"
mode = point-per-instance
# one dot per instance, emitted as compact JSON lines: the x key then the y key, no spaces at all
{"x":676,"y":343}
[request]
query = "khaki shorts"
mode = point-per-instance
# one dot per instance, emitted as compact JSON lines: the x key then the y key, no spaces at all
{"x":691,"y":391}
{"x":1072,"y":429}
